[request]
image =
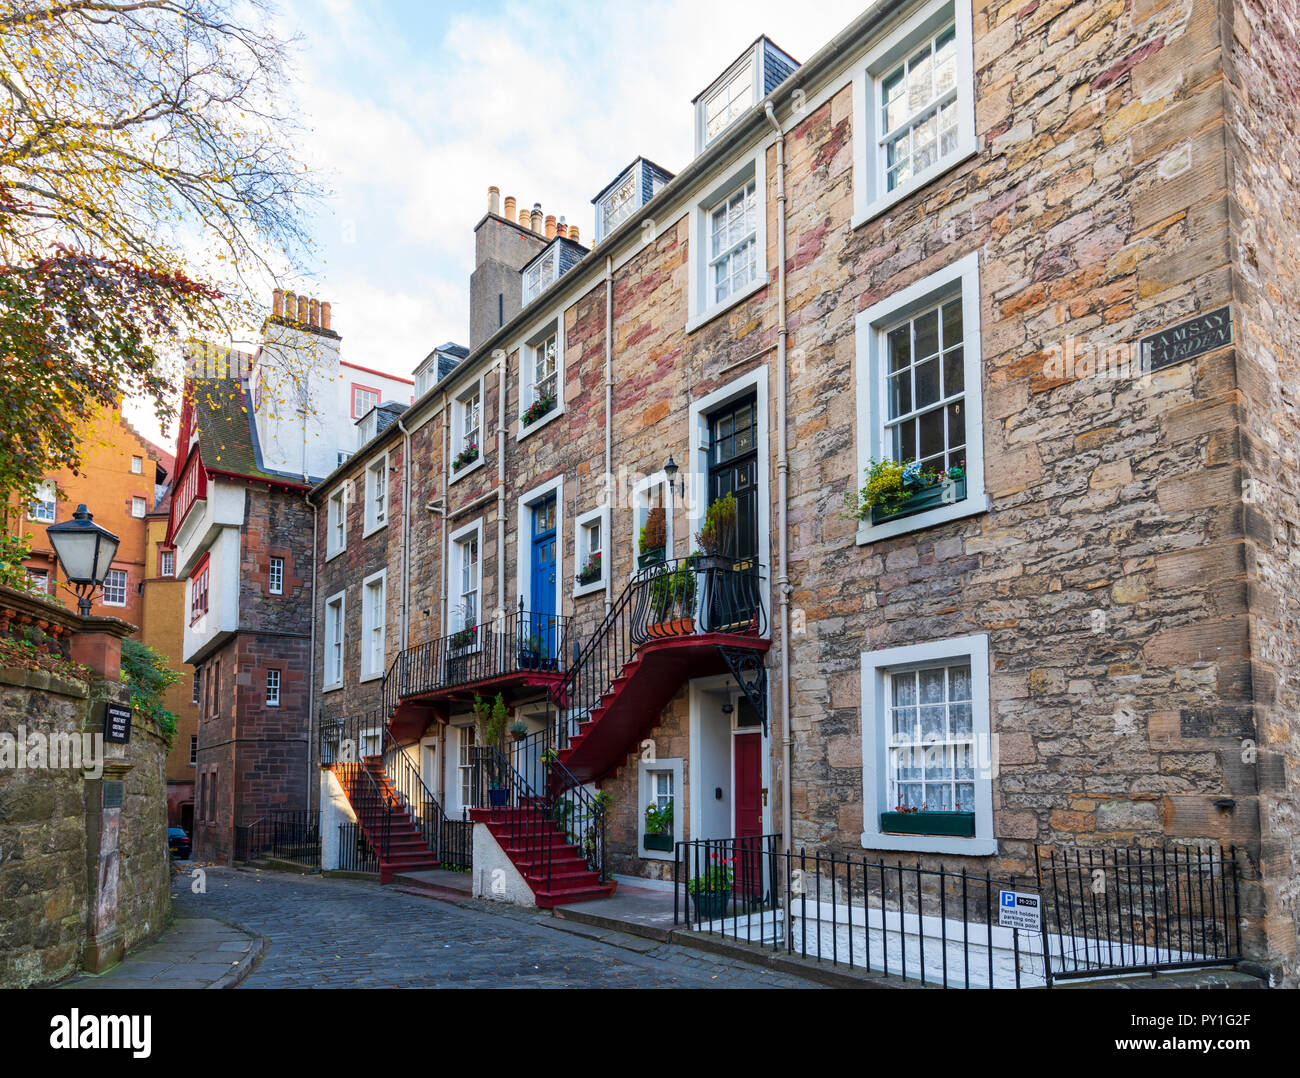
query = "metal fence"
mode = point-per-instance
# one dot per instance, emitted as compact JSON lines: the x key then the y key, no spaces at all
{"x":1099,"y":913}
{"x":285,"y":836}
{"x":355,"y":852}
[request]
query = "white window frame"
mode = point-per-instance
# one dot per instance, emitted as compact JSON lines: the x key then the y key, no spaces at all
{"x":643,"y":500}
{"x":376,"y":513}
{"x":167,"y":563}
{"x":875,"y":718}
{"x":456,"y":619}
{"x":537,"y":277}
{"x":335,"y":639}
{"x":526,"y":348}
{"x":870,"y":198}
{"x":524,"y":559}
{"x":459,"y":417}
{"x":45,"y":495}
{"x":39,"y":578}
{"x":137,"y":465}
{"x":462,"y":771}
{"x":645,"y":793}
{"x":750,"y":167}
{"x":374,"y":625}
{"x":722,"y":85}
{"x":139,"y":507}
{"x":336,"y":523}
{"x":274,"y":579}
{"x":126,"y":583}
{"x":194,"y":750}
{"x":274,"y":678}
{"x":961,"y":277}
{"x":357,"y":388}
{"x":581,"y":534}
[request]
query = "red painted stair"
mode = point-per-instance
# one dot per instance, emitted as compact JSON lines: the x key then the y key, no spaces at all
{"x":553,"y":867}
{"x":406,"y":849}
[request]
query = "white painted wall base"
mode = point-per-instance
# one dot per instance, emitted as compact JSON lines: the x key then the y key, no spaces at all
{"x":495,"y":876}
{"x":335,"y":810}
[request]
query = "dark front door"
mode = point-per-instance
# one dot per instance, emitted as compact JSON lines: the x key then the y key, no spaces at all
{"x":733,"y":469}
{"x":542,"y":629}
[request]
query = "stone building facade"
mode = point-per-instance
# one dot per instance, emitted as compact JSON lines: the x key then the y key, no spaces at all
{"x":1083,"y":279}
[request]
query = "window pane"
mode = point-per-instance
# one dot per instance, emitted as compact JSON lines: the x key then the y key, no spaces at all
{"x":927,"y":383}
{"x":945,"y":61}
{"x":930,"y":432}
{"x":919,"y":87}
{"x":932,"y":686}
{"x":954,"y":372}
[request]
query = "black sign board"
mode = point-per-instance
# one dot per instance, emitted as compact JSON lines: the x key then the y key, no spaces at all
{"x":1204,"y":333}
{"x":117,"y":723}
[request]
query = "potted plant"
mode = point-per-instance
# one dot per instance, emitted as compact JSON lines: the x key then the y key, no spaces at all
{"x":490,"y":720}
{"x":710,"y":891}
{"x":718,"y":533}
{"x":530,"y":652}
{"x":464,"y":638}
{"x":590,"y":572}
{"x":672,"y":599}
{"x":518,"y":730}
{"x":658,"y":826}
{"x":468,"y":455}
{"x":537,"y":409}
{"x":898,"y":489}
{"x":654,"y":538}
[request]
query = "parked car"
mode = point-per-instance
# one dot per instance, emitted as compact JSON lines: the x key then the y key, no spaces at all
{"x":178,"y":842}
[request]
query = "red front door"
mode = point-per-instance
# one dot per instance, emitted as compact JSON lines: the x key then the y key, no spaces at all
{"x":749,"y":813}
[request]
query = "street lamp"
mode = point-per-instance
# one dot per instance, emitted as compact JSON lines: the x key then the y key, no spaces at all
{"x":670,"y":471}
{"x":85,"y":550}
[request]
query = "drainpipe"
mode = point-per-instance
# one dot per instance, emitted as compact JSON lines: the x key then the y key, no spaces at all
{"x":501,"y":485}
{"x":311,"y":661}
{"x":782,"y":503}
{"x":446,"y":507}
{"x":406,"y":531}
{"x":609,"y":429}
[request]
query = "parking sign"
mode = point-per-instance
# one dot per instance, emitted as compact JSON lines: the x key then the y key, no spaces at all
{"x":1019,"y":910}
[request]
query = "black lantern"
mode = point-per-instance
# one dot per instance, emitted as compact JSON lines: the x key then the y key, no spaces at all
{"x":86,"y":551}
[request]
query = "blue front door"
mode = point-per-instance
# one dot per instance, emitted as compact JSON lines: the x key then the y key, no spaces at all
{"x":542,"y":600}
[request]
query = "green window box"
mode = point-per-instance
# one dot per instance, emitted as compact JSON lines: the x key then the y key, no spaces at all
{"x":956,"y":824}
{"x":926,"y":498}
{"x":658,"y":842}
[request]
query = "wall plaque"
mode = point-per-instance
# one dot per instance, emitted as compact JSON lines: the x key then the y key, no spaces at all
{"x":113,"y":794}
{"x":1204,"y":333}
{"x":117,"y":723}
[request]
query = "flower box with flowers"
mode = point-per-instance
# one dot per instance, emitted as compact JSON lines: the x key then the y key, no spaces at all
{"x":895,"y":489}
{"x":536,"y":410}
{"x":590,"y":572}
{"x":464,"y":638}
{"x":466,"y":456}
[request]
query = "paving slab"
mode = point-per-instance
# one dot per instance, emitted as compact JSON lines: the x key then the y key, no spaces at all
{"x":192,"y":952}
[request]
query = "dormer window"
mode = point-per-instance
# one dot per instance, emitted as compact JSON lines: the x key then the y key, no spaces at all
{"x":618,"y":205}
{"x":758,"y":71}
{"x":633,"y":188}
{"x":367,"y":427}
{"x":541,"y":274}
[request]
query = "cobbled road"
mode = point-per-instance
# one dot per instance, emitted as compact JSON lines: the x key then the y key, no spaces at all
{"x":333,"y":933}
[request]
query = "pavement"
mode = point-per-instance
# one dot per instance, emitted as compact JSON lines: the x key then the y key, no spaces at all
{"x":264,"y":929}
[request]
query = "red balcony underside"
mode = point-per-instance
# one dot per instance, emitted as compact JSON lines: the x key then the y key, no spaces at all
{"x":414,"y":713}
{"x":636,"y":699}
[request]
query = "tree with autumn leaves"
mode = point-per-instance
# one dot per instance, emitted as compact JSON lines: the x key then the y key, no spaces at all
{"x":148,"y":192}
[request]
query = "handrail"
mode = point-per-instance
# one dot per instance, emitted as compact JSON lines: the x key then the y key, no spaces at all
{"x":422,"y":806}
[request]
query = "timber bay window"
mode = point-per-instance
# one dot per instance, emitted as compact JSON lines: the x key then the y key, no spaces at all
{"x":376,"y":515}
{"x":927,"y":751}
{"x":336,"y":524}
{"x":275,"y":576}
{"x":199,"y":591}
{"x":467,"y":418}
{"x":334,"y":613}
{"x":373,"y":625}
{"x":541,"y":376}
{"x":115,"y":588}
{"x":273,"y":688}
{"x":913,"y":102}
{"x":920,"y":431}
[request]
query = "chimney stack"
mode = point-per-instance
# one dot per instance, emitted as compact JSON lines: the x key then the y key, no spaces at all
{"x":535,"y":221}
{"x":494,"y":200}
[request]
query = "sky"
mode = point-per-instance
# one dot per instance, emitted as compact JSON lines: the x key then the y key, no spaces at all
{"x":412,"y":110}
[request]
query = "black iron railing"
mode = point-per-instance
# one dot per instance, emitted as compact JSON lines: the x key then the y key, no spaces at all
{"x":1140,"y":910}
{"x":355,"y":852}
{"x":675,"y":598}
{"x":292,"y":836}
{"x":444,"y":837}
{"x":519,"y":642}
{"x":1100,"y":912}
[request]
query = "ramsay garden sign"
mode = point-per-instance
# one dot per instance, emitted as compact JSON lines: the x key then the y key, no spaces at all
{"x":1198,"y":335}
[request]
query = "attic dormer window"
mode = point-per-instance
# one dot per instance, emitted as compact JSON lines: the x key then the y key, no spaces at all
{"x":366,"y":429}
{"x":540,"y":274}
{"x":729,"y":101}
{"x":618,"y":205}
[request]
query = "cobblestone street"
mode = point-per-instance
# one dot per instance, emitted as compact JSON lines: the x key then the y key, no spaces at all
{"x":352,"y":934}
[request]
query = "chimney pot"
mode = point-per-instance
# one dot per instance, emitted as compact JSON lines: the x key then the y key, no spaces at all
{"x":550,"y":226}
{"x":561,"y":229}
{"x":324,"y":316}
{"x":573,"y":233}
{"x":494,"y":200}
{"x":511,"y":213}
{"x":535,"y":222}
{"x":303,"y":304}
{"x":290,"y":305}
{"x":314,"y":312}
{"x":277,"y":302}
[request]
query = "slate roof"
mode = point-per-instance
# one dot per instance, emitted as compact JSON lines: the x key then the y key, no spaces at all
{"x":223,"y":420}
